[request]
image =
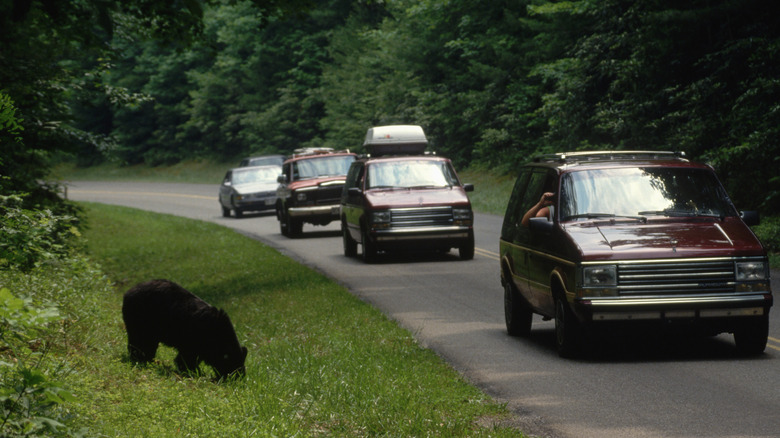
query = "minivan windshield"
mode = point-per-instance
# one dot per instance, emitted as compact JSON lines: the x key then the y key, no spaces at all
{"x":405,"y":174}
{"x":642,"y":193}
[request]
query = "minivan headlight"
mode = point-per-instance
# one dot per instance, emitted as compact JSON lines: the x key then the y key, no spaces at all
{"x":751,"y":271}
{"x":599,"y":276}
{"x":461,"y":214}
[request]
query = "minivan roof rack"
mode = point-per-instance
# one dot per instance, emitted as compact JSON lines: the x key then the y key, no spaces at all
{"x":574,"y":157}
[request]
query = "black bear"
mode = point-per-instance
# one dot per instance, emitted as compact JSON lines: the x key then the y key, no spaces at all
{"x":162,"y":311}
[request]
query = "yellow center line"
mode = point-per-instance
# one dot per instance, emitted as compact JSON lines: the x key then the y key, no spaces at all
{"x":169,"y":195}
{"x":486,"y":253}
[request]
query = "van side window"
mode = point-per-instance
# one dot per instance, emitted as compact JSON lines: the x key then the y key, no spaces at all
{"x":511,"y":218}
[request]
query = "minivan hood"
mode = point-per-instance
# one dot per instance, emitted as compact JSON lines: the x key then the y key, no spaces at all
{"x":599,"y":240}
{"x":405,"y":198}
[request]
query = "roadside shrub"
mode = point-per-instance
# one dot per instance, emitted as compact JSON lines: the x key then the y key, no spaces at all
{"x":769,"y":233}
{"x":28,"y":394}
{"x":29,"y":237}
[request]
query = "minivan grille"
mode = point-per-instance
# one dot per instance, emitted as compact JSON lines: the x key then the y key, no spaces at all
{"x":686,"y":277}
{"x":421,"y":217}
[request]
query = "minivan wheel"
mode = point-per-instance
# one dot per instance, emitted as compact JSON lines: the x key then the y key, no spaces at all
{"x":225,"y":212}
{"x":466,"y":251}
{"x":567,"y":330}
{"x":751,"y":338}
{"x":369,"y":250}
{"x":517,"y":315}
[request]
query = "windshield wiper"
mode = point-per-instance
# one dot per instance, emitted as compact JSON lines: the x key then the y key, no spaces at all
{"x":604,"y":215}
{"x":678,"y":213}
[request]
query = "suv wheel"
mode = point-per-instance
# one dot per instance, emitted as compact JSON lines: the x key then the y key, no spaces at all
{"x":516,"y":313}
{"x":294,"y":226}
{"x":280,"y":216}
{"x":350,"y":246}
{"x":466,"y":251}
{"x":567,"y":330}
{"x":751,"y":338}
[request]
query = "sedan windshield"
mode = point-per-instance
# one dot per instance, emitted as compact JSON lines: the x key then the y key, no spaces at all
{"x":642,"y":193}
{"x":406,"y":174}
{"x":256,"y":175}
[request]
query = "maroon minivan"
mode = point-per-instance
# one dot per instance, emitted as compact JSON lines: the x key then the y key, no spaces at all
{"x":398,"y":198}
{"x":595,"y":239}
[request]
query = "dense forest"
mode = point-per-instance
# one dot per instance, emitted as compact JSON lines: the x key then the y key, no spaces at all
{"x":492,"y":83}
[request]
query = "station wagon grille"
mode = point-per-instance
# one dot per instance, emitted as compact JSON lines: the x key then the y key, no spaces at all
{"x":686,"y":277}
{"x":421,"y":217}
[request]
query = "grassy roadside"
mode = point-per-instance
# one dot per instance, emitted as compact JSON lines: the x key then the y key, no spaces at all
{"x":321,"y":362}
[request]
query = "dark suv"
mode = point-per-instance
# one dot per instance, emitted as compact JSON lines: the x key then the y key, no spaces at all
{"x":595,"y":239}
{"x":399,"y":198}
{"x":310,"y":188}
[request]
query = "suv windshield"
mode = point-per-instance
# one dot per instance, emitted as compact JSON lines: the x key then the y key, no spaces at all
{"x":410,"y":174}
{"x":322,"y":166}
{"x":642,"y":192}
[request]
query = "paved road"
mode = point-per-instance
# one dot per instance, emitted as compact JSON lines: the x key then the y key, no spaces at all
{"x":636,"y":386}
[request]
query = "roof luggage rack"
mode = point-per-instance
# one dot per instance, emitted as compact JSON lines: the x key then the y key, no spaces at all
{"x":576,"y":157}
{"x":395,"y":140}
{"x":302,"y":152}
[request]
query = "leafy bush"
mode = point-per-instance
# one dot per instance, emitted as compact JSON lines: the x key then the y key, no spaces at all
{"x":27,"y":394}
{"x":769,"y":233}
{"x":28,"y":237}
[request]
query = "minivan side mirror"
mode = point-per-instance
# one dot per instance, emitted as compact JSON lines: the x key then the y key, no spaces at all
{"x":750,"y":217}
{"x":468,"y":187}
{"x":540,"y":225}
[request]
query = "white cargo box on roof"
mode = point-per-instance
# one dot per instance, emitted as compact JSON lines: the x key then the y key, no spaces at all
{"x":395,"y":140}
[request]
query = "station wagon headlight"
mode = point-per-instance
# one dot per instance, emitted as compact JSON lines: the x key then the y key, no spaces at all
{"x":750,"y":271}
{"x":599,"y":276}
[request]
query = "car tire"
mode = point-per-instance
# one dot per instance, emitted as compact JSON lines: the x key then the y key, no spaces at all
{"x":350,"y":246}
{"x":466,"y":251}
{"x":751,"y":338}
{"x":517,"y":314}
{"x":568,"y":335}
{"x":236,"y":210}
{"x":369,"y":249}
{"x":225,"y":211}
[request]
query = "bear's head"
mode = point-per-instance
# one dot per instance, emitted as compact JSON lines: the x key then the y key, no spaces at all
{"x":228,"y":359}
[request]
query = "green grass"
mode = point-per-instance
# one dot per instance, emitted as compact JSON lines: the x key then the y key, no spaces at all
{"x":321,"y":362}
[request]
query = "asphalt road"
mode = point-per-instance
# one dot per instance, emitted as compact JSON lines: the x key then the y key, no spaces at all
{"x":634,"y":386}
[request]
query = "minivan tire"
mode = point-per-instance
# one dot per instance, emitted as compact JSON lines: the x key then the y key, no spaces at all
{"x":568,"y":334}
{"x":517,"y":314}
{"x":751,"y":338}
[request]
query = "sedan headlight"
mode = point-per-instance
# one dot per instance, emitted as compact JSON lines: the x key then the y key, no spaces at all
{"x":599,"y":276}
{"x":750,"y":271}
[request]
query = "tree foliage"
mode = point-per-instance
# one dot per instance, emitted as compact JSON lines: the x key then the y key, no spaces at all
{"x":492,"y":83}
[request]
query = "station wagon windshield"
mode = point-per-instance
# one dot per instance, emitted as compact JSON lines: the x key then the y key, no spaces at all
{"x":325,"y":166}
{"x":410,"y":174}
{"x":642,"y":193}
